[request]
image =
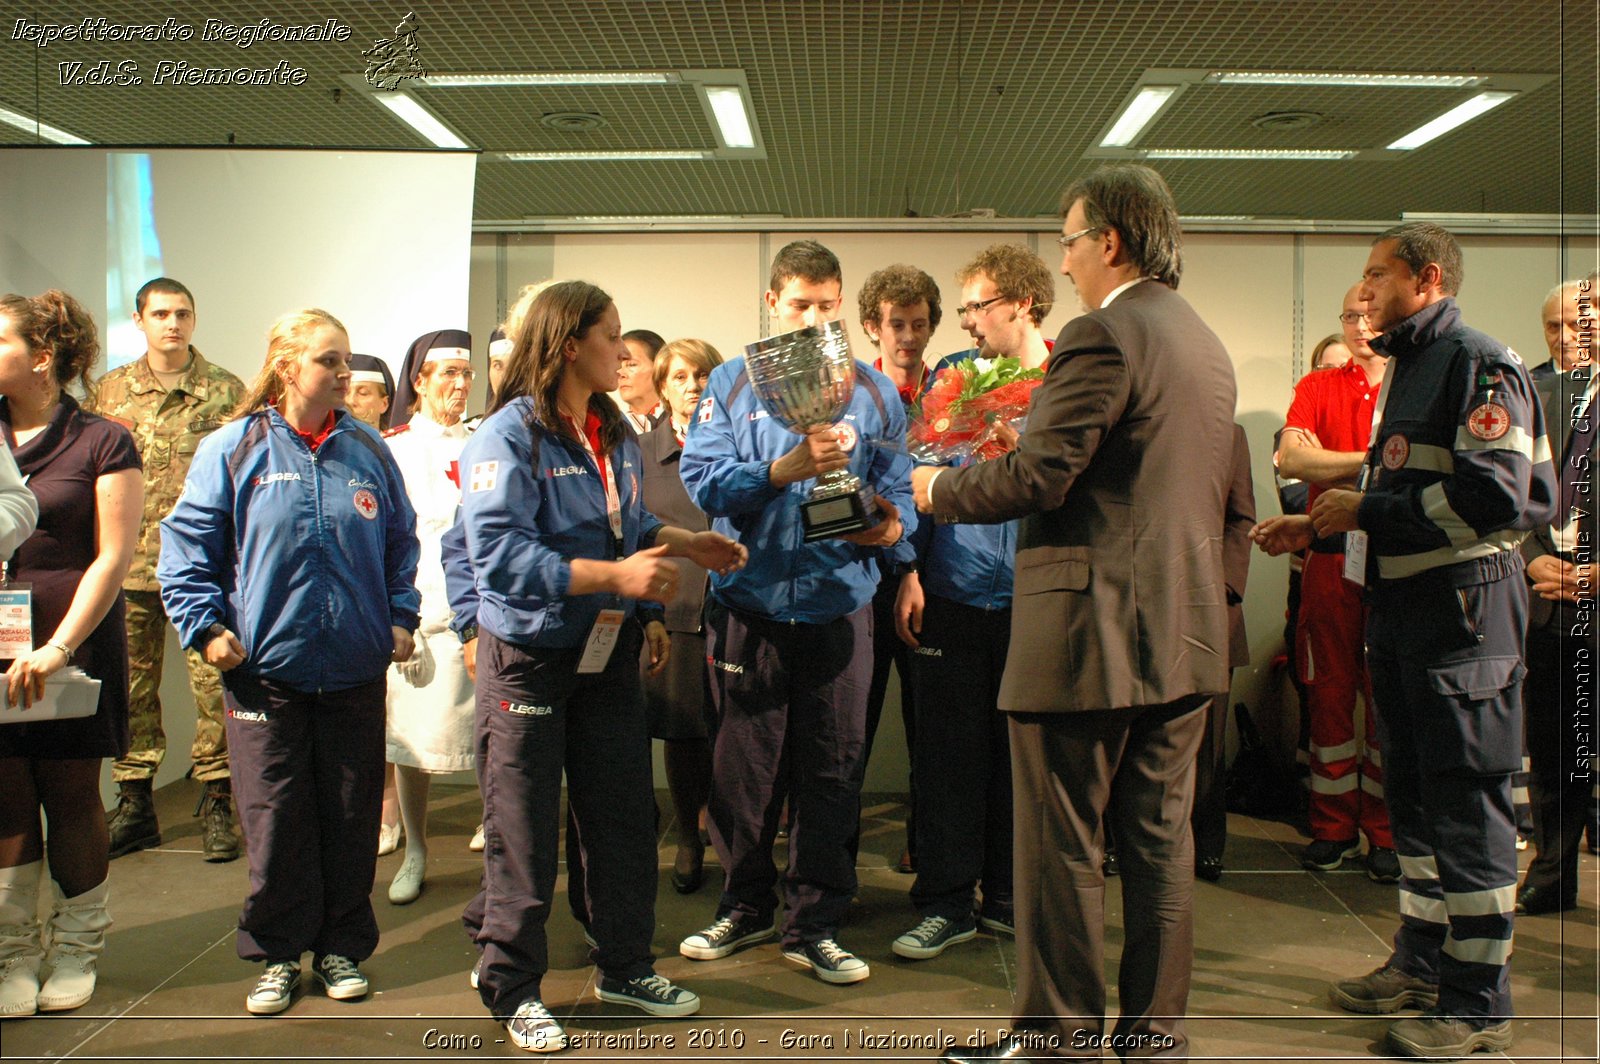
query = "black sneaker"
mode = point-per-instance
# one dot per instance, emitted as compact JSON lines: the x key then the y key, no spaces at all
{"x":1383,"y":865}
{"x":1000,"y":919}
{"x":933,"y":936}
{"x":653,"y":993}
{"x":340,"y":978}
{"x":1324,"y":855}
{"x":729,"y":933}
{"x":1435,"y":1037}
{"x":532,"y":1028}
{"x":831,"y":961}
{"x":1383,"y":990}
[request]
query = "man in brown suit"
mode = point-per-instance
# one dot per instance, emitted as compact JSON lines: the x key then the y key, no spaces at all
{"x":1119,"y":624}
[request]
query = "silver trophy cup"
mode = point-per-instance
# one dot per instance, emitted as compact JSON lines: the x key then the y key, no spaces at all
{"x":805,"y":379}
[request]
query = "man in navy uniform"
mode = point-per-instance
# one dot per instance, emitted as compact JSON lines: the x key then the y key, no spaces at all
{"x":1457,"y":474}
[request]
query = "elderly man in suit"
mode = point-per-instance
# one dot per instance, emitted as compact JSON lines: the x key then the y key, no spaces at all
{"x":1119,"y":624}
{"x":1560,"y":694}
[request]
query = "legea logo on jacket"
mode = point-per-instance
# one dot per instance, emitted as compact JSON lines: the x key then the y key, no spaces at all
{"x":567,"y":471}
{"x":274,"y":478}
{"x":522,"y":709}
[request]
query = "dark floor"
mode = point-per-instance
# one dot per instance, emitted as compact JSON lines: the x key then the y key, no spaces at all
{"x":1269,"y":937}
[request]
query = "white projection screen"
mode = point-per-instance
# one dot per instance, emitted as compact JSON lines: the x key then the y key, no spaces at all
{"x":380,"y":239}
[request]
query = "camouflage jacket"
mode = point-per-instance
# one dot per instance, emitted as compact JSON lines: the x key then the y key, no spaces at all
{"x":167,"y":427}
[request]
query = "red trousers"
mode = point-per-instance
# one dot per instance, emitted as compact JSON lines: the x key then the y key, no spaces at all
{"x":1346,"y":773}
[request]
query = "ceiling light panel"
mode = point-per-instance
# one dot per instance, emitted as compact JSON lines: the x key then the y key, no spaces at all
{"x":663,"y":155}
{"x":592,"y":77}
{"x":1376,"y":81}
{"x":29,"y":124}
{"x":1249,"y":153}
{"x":419,"y":118}
{"x":1140,"y":111}
{"x":1458,"y":115}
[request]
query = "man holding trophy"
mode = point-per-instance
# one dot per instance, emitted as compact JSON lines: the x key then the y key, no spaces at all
{"x":781,"y":456}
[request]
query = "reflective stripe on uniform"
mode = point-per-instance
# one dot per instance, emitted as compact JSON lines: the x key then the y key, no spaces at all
{"x":1426,"y":456}
{"x":1533,"y":448}
{"x":1399,"y":566}
{"x":1420,"y":907}
{"x":1325,"y":754}
{"x":1419,"y":868}
{"x":1493,"y":902}
{"x":1436,"y":508}
{"x":1372,"y":786}
{"x":1342,"y":785}
{"x":1494,"y":951}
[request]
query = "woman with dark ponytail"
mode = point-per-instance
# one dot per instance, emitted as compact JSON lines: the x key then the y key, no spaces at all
{"x":85,"y":473}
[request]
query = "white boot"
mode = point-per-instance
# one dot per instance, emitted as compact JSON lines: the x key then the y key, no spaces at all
{"x":20,"y":951}
{"x":77,"y":935}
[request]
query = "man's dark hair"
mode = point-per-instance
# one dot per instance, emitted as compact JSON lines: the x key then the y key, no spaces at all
{"x":807,"y":260}
{"x":1419,"y":243}
{"x":161,"y":284}
{"x":1137,"y":203}
{"x":649,"y":337}
{"x":901,"y":286}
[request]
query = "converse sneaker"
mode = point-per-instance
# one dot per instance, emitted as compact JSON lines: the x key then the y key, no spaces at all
{"x":1324,"y":855}
{"x":532,"y":1028}
{"x":933,"y":936}
{"x":1383,"y":990}
{"x":477,"y":972}
{"x":999,"y":919}
{"x":274,"y":989}
{"x":729,"y":933}
{"x":653,"y":993}
{"x":1435,"y":1037}
{"x":832,"y":962}
{"x":340,"y":978}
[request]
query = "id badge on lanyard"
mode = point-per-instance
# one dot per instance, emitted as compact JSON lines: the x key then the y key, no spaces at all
{"x":1355,"y":543}
{"x":16,"y":616}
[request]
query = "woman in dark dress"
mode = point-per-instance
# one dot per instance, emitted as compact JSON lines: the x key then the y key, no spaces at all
{"x":678,"y":697}
{"x":85,"y":472}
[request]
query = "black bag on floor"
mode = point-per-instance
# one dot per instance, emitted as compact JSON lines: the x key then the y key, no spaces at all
{"x":1258,"y":784}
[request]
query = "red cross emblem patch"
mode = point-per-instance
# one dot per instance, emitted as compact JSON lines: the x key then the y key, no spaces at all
{"x":366,"y":504}
{"x":1489,"y":421}
{"x":1396,"y":449}
{"x":847,"y":436}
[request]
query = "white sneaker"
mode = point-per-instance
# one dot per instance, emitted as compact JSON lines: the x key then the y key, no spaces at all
{"x":477,"y":843}
{"x":532,"y":1028}
{"x":388,"y":839}
{"x":274,"y":990}
{"x":407,"y":884}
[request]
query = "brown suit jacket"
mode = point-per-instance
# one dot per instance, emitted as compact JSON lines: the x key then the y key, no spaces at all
{"x":1236,"y":547}
{"x":1121,"y":480}
{"x":666,"y":498}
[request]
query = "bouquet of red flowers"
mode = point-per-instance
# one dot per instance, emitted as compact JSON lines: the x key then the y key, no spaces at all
{"x":960,"y":415}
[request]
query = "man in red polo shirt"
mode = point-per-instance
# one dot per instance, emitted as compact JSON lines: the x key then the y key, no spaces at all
{"x":1324,"y":442}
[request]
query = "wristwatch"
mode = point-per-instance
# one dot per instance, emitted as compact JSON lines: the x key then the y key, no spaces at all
{"x":467,"y":634}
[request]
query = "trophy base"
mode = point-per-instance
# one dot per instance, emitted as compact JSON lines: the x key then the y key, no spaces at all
{"x":839,"y":515}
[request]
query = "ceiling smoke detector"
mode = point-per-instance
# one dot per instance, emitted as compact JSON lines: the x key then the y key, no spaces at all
{"x":572,"y":121}
{"x":1281,"y":121}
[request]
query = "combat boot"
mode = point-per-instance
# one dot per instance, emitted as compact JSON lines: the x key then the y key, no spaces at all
{"x":77,"y":937}
{"x":132,"y":824}
{"x":219,"y":841}
{"x":20,"y":951}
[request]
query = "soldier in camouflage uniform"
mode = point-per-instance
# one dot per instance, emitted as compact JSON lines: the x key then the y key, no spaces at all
{"x":169,"y":400}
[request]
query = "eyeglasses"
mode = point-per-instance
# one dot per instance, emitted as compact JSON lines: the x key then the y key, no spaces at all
{"x":1067,"y":241}
{"x":972,"y":308}
{"x":1350,"y":317}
